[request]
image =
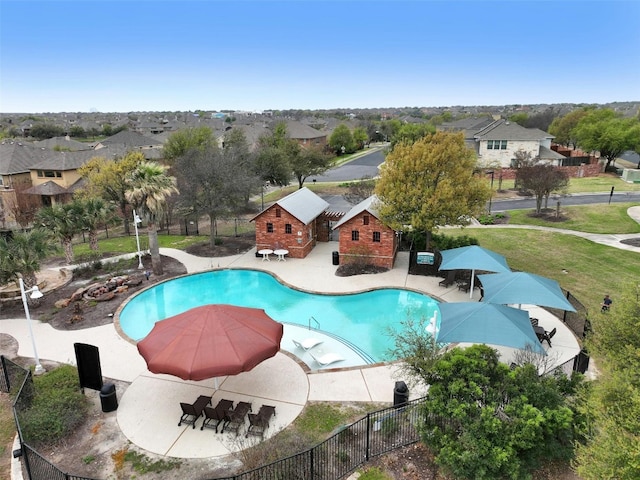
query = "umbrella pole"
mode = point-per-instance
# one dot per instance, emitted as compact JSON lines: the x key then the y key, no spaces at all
{"x":473,"y":276}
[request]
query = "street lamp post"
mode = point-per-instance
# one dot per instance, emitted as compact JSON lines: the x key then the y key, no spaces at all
{"x":136,"y":221}
{"x":35,"y":294}
{"x":490,"y":172}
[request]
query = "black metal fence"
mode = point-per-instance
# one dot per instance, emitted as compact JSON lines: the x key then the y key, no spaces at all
{"x":377,"y":433}
{"x":18,"y":382}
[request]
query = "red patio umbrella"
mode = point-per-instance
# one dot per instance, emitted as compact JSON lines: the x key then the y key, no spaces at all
{"x":211,"y":341}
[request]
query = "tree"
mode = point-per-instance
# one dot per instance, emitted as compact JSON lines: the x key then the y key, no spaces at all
{"x":563,"y":127}
{"x":63,"y":222}
{"x":520,"y":118}
{"x":274,"y":154}
{"x":148,"y":189}
{"x":360,"y":137}
{"x":430,"y":183}
{"x":612,"y":405}
{"x":310,"y":161}
{"x":184,"y":140}
{"x":341,"y":140}
{"x":542,"y":180}
{"x":605,"y":131}
{"x":360,"y":190}
{"x":43,"y":131}
{"x":108,"y":179}
{"x":213,"y":182}
{"x":485,"y":421}
{"x":21,"y":254}
{"x":410,"y":132}
{"x":96,"y":213}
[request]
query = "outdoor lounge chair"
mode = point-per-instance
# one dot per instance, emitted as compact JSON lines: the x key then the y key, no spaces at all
{"x":449,"y":280}
{"x":234,"y":419}
{"x":326,"y":358}
{"x":214,"y":416}
{"x":259,"y":422}
{"x":549,"y":335}
{"x":191,"y":412}
{"x":307,"y":343}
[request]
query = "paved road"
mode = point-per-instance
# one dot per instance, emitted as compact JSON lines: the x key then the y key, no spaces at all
{"x":364,"y":166}
{"x":580,"y":199}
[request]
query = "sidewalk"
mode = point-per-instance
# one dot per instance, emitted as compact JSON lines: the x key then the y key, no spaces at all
{"x":149,"y":407}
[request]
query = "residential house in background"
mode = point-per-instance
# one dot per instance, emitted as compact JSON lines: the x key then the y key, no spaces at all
{"x":497,"y":144}
{"x":56,"y":178}
{"x":291,"y":223}
{"x":364,"y":238}
{"x":497,"y":141}
{"x":305,"y":135}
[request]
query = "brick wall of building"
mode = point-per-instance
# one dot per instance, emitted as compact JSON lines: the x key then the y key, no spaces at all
{"x":299,"y":242}
{"x":364,"y":249}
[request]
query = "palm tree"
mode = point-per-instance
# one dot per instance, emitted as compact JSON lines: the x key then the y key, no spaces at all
{"x":96,"y":214}
{"x":63,"y":222}
{"x":21,"y":254}
{"x":148,"y":189}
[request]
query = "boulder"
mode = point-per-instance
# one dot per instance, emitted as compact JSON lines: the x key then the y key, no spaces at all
{"x":62,"y":303}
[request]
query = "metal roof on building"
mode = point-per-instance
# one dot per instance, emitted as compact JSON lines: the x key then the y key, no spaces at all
{"x":304,"y":205}
{"x":368,"y":205}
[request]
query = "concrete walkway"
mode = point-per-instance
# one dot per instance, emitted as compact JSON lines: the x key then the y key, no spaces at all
{"x":149,"y":410}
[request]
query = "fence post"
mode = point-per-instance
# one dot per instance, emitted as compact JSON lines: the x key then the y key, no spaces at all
{"x":368,"y":445}
{"x":5,"y":374}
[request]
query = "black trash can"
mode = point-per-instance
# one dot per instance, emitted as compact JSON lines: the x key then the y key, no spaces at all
{"x":336,"y":258}
{"x":108,"y":397}
{"x":400,"y":394}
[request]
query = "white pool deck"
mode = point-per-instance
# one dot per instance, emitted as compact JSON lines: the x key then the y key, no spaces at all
{"x":149,"y":409}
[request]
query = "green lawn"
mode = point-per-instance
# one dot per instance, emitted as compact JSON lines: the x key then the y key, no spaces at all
{"x":592,"y":269}
{"x":597,"y":218}
{"x":122,"y":245}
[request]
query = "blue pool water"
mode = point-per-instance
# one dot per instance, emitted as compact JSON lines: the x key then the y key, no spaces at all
{"x":362,"y":319}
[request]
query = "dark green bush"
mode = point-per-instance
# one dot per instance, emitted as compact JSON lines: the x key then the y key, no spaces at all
{"x":444,"y":242}
{"x":58,"y":407}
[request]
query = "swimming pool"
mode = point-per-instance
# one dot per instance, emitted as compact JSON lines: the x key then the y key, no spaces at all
{"x":361,"y":319}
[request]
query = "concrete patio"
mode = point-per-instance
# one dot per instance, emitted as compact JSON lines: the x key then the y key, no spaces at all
{"x":149,"y":409}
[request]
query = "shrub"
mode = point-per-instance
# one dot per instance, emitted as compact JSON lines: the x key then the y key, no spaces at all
{"x":57,"y":408}
{"x":444,"y":242}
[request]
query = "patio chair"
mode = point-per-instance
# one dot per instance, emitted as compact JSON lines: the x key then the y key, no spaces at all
{"x":259,"y":422}
{"x":307,"y":343}
{"x":326,"y":358}
{"x":234,"y":419}
{"x":449,"y":280}
{"x":549,"y":335}
{"x":191,"y":412}
{"x":534,"y":322}
{"x":214,"y":416}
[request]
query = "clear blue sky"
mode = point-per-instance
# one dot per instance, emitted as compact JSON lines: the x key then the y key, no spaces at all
{"x":120,"y":56}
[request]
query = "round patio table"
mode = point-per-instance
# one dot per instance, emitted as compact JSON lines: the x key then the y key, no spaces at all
{"x":265,"y":252}
{"x":281,"y":252}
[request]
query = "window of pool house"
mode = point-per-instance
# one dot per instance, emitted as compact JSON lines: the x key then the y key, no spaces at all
{"x":269,"y":227}
{"x":376,"y":236}
{"x":355,"y":235}
{"x":287,"y":228}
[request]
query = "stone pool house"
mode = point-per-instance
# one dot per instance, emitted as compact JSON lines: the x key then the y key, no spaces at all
{"x":300,"y":220}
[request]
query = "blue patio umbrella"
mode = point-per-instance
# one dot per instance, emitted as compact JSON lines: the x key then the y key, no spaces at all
{"x":473,"y":258}
{"x":523,"y":287}
{"x":487,"y":323}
